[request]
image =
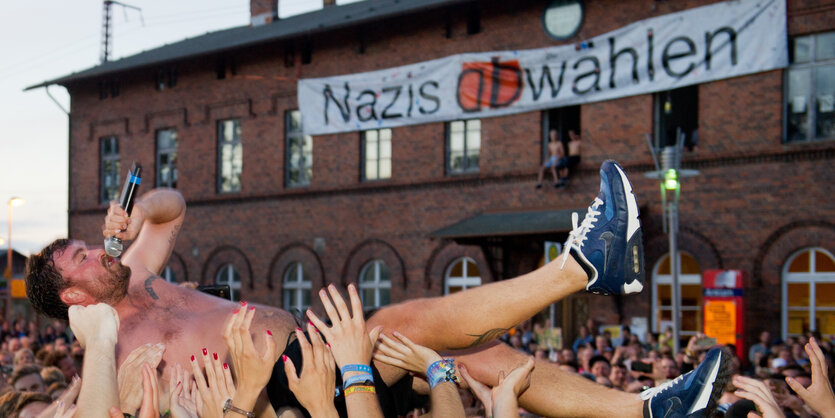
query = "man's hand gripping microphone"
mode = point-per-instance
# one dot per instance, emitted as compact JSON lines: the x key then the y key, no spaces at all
{"x":112,"y":245}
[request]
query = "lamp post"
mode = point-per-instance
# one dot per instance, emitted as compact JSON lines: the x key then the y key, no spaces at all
{"x":670,"y":173}
{"x":15,"y":201}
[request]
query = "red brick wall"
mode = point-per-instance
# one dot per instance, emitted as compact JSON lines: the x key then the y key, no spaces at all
{"x":747,"y":209}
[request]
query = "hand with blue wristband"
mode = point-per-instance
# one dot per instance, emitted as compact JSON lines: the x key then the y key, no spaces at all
{"x":348,"y":337}
{"x":403,"y":353}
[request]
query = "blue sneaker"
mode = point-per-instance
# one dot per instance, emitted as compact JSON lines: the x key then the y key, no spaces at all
{"x":694,"y":394}
{"x":607,"y":244}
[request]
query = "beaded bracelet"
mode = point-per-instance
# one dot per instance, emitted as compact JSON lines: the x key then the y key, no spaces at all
{"x":360,"y":389}
{"x":441,"y":371}
{"x":363,"y":379}
{"x":355,"y":368}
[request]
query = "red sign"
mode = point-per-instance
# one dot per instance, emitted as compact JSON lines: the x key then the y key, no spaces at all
{"x":722,"y":307}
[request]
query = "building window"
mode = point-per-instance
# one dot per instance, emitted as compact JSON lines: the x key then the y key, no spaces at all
{"x":375,"y":285}
{"x":165,"y":79}
{"x":230,"y":156}
{"x":690,"y":292}
{"x":810,"y":101}
{"x":376,"y":154}
{"x":463,"y":145}
{"x":809,"y":293}
{"x":109,"y":168}
{"x":676,"y":116}
{"x":167,"y":158}
{"x":228,"y":274}
{"x":461,"y":274}
{"x":168,"y":275}
{"x":299,"y":151}
{"x":296,"y":289}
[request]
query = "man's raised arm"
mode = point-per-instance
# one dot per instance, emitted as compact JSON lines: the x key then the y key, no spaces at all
{"x":154,"y":224}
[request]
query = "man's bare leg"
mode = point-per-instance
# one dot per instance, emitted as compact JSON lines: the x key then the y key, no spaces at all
{"x":553,"y":392}
{"x":478,"y":315}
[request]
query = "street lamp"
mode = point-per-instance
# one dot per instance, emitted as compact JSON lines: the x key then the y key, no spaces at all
{"x":670,"y":174}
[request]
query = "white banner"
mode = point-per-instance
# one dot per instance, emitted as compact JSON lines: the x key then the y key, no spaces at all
{"x":713,"y":42}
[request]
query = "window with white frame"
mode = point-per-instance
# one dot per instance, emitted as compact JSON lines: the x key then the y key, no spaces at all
{"x":690,"y":292}
{"x":463,"y":145}
{"x":375,"y":285}
{"x":298,"y":150}
{"x":229,"y":156}
{"x":461,"y":274}
{"x":228,"y":274}
{"x":296,"y":289}
{"x":810,"y":81}
{"x":167,"y":158}
{"x":376,"y":150}
{"x":808,"y":296}
{"x":109,"y":153}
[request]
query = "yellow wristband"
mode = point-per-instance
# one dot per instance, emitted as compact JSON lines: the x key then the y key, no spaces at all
{"x":360,"y":389}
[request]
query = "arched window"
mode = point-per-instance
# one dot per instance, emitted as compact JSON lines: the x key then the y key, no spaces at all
{"x":809,"y":293}
{"x":460,"y":275}
{"x":690,"y":291}
{"x":296,"y":288}
{"x":375,"y":285}
{"x":168,"y":275}
{"x":228,"y":274}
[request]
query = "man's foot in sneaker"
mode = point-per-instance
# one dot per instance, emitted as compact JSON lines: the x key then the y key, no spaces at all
{"x":694,"y":394}
{"x":607,"y":244}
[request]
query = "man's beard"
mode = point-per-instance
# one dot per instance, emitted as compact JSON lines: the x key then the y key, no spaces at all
{"x":114,"y":287}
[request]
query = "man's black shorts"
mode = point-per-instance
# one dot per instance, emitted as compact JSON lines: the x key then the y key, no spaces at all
{"x":395,"y":401}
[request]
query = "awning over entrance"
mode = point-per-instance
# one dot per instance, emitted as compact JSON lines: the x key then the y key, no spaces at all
{"x":499,"y":224}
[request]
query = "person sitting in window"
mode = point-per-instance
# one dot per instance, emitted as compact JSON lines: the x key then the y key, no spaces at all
{"x":565,"y":164}
{"x":556,"y":154}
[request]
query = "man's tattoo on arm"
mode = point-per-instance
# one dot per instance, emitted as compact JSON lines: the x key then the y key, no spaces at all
{"x":173,"y":236}
{"x":487,"y":336}
{"x":148,"y":282}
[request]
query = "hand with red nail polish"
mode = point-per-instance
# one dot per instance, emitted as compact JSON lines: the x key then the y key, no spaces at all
{"x":214,"y":383}
{"x":252,"y":369}
{"x":351,"y":343}
{"x":182,"y":401}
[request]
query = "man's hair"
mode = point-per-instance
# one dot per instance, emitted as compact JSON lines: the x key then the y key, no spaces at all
{"x":24,"y":371}
{"x":12,"y":403}
{"x":597,"y":359}
{"x":44,"y":282}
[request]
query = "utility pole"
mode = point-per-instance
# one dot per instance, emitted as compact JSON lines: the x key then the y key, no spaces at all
{"x":106,"y":27}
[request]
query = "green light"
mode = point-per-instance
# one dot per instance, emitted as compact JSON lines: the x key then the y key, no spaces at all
{"x":671,"y":179}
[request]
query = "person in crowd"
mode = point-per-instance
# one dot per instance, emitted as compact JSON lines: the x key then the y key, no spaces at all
{"x":583,"y":339}
{"x":619,"y":376}
{"x":600,"y":366}
{"x":27,"y":378}
{"x":556,"y":153}
{"x":23,"y":404}
{"x":63,"y":361}
{"x":762,"y":346}
{"x":52,"y":374}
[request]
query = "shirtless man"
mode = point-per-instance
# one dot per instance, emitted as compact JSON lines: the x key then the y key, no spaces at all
{"x":555,"y":155}
{"x":571,"y":161}
{"x":151,"y":310}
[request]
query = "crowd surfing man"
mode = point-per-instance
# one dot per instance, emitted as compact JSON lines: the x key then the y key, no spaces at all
{"x":603,"y":255}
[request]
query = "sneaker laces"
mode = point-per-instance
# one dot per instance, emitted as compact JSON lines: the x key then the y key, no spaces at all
{"x":578,"y":233}
{"x":651,"y":392}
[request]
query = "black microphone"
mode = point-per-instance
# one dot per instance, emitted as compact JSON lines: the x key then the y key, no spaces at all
{"x":112,"y":245}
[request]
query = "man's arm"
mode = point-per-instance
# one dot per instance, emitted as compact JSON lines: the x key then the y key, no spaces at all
{"x":154,"y":224}
{"x":96,"y":328}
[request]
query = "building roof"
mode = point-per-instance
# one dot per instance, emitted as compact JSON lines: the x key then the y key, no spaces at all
{"x":510,"y":223}
{"x":326,"y":19}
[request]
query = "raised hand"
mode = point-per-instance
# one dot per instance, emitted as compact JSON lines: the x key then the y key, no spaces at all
{"x":64,"y":405}
{"x":757,"y":392}
{"x":181,"y":399}
{"x":150,"y":393}
{"x":348,"y":337}
{"x":130,"y":388}
{"x":403,"y":353}
{"x":315,"y":388}
{"x":215,"y":387}
{"x":99,"y":322}
{"x":506,"y":393}
{"x":480,"y":390}
{"x":819,"y":394}
{"x":252,"y":369}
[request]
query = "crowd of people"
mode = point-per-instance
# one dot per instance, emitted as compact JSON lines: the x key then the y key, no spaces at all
{"x":42,"y":370}
{"x":786,"y":370}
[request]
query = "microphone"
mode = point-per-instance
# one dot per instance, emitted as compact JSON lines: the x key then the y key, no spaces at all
{"x":112,"y":245}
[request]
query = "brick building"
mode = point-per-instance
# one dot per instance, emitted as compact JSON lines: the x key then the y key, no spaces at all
{"x":280,"y":214}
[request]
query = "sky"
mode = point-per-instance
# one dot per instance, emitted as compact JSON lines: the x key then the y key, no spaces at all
{"x":43,"y":40}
